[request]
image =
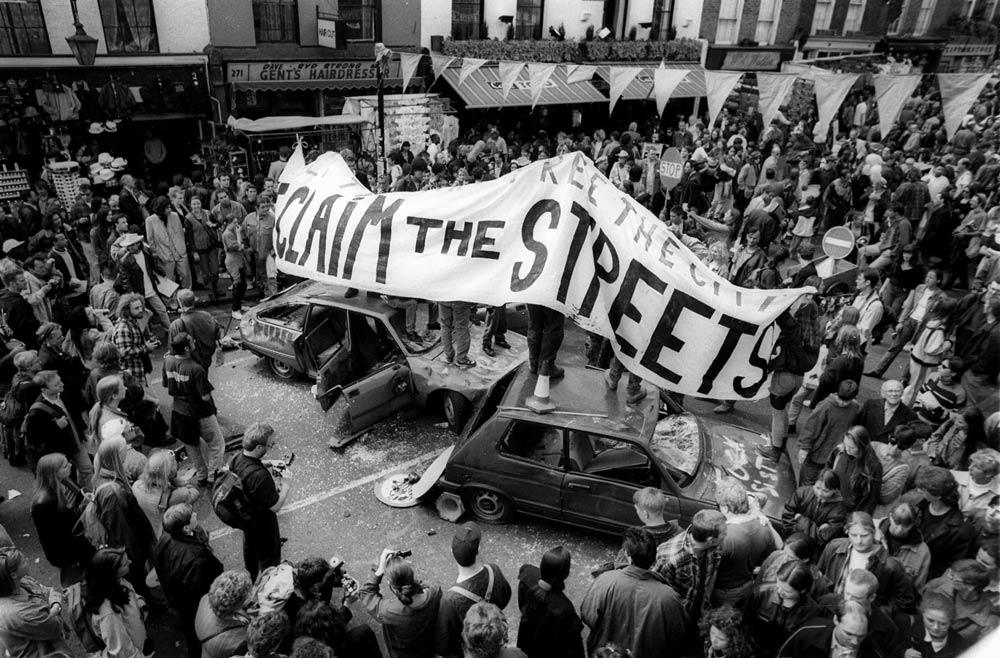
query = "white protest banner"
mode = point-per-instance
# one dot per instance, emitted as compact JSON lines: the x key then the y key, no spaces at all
{"x":508,"y":75}
{"x":555,"y":233}
{"x":296,"y":161}
{"x":620,"y":76}
{"x":891,"y":93}
{"x":831,"y":90}
{"x":665,"y":82}
{"x":469,"y":64}
{"x":408,"y":63}
{"x":772,"y":90}
{"x":958,"y":92}
{"x":718,"y":86}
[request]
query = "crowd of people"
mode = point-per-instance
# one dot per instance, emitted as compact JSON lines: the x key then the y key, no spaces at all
{"x":889,"y":547}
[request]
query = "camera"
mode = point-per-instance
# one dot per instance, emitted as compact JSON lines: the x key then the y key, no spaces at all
{"x":156,"y":341}
{"x":400,"y":554}
{"x":180,"y":454}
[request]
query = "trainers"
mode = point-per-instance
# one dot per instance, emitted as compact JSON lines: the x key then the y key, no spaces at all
{"x":635,"y":396}
{"x":465,"y":363}
{"x":237,"y":315}
{"x":501,"y":342}
{"x":489,"y":351}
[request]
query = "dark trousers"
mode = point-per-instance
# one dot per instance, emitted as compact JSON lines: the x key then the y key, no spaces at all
{"x":902,"y":337}
{"x":496,"y":325}
{"x":261,"y":544}
{"x":239,"y":290}
{"x":545,"y":333}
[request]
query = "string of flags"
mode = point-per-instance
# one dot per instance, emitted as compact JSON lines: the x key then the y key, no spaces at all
{"x":959,"y":91}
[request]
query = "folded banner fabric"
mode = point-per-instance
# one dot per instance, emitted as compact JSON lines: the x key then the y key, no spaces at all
{"x":555,"y":233}
{"x":718,"y":86}
{"x":831,"y":90}
{"x":891,"y":94}
{"x":772,"y":90}
{"x":958,"y":92}
{"x":665,"y":82}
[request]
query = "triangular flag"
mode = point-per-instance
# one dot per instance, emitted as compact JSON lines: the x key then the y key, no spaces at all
{"x":439,"y":64}
{"x":539,"y":75}
{"x":579,"y":72}
{"x":508,"y":75}
{"x":958,"y":93}
{"x":772,"y":90}
{"x":620,"y":77}
{"x":718,"y":86}
{"x":665,"y":82}
{"x":891,"y":93}
{"x":831,"y":90}
{"x":408,"y":63}
{"x":296,"y":161}
{"x":469,"y":64}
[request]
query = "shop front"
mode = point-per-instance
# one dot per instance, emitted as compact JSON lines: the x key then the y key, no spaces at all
{"x":967,"y":57}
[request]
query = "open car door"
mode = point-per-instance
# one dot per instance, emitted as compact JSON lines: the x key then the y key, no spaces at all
{"x":378,"y":395}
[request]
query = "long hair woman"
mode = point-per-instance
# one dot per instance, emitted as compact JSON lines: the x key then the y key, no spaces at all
{"x":933,"y":340}
{"x":550,"y":625}
{"x":30,"y":613}
{"x":116,"y":612}
{"x":157,"y":488}
{"x":409,"y":617}
{"x":123,"y":520}
{"x":846,"y":361}
{"x":55,"y":509}
{"x":107,"y":420}
{"x":859,"y":468}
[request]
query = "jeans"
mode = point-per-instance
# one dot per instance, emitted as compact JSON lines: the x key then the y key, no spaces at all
{"x":209,"y":454}
{"x":178,"y":272}
{"x":903,"y":336}
{"x":545,"y":333}
{"x":159,"y":309}
{"x":455,"y":339}
{"x":795,"y":406}
{"x":410,"y":308}
{"x":496,"y":325}
{"x":261,"y":543}
{"x":208,"y":262}
{"x":239,"y":290}
{"x":615,"y":373}
{"x":84,"y":467}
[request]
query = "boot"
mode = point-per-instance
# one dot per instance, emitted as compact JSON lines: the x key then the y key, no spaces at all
{"x":552,"y":370}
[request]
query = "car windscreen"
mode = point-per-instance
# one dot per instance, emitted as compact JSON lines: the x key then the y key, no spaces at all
{"x":677,"y":444}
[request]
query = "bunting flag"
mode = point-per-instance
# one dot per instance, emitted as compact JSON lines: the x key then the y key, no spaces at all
{"x":718,"y":86}
{"x":439,"y":64}
{"x":539,"y":75}
{"x":509,"y":71}
{"x":580,"y":72}
{"x":773,"y":89}
{"x":831,"y":90}
{"x":469,"y":64}
{"x":408,"y":63}
{"x":296,"y":161}
{"x":891,"y":93}
{"x":665,"y":82}
{"x":620,"y":76}
{"x":959,"y":92}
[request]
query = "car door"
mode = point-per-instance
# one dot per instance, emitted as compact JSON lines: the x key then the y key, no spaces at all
{"x":528,"y":467}
{"x":377,"y":395}
{"x":602,"y":475}
{"x":324,"y":335}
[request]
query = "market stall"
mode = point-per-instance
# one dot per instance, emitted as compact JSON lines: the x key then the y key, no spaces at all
{"x":263,"y":137}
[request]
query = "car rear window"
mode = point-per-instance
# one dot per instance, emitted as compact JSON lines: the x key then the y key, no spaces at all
{"x":676,"y":442}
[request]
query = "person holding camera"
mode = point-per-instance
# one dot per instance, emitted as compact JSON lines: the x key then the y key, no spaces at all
{"x":407,"y":619}
{"x":133,"y":340}
{"x":266,"y":494}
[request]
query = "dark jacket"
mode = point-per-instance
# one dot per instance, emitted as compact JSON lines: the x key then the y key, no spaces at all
{"x":186,"y":567}
{"x":821,"y":521}
{"x":550,"y":627}
{"x":814,"y":639}
{"x":860,"y":488}
{"x":895,"y":592}
{"x":769,"y":622}
{"x":872,"y":417}
{"x":20,"y":317}
{"x":125,"y":522}
{"x":948,"y":538}
{"x":47,"y":430}
{"x":62,"y":547}
{"x":913,"y":634}
{"x":882,"y":630}
{"x":838,"y":369}
{"x":790,"y":353}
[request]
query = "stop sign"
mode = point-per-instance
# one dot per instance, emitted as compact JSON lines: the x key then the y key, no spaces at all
{"x":671,"y":168}
{"x":838,"y":242}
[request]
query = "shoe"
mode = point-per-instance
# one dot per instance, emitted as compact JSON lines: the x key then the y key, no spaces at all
{"x":723,"y":408}
{"x":489,"y":351}
{"x":465,"y":363}
{"x":237,"y":315}
{"x":770,"y":452}
{"x":501,"y":342}
{"x":449,"y":359}
{"x":414,"y":336}
{"x":552,"y":370}
{"x":610,"y":381}
{"x":792,"y":429}
{"x":635,"y":396}
{"x":433,"y":326}
{"x":873,"y":373}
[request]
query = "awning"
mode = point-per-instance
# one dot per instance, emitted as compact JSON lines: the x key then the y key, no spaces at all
{"x":641,"y":88}
{"x":269,"y":124}
{"x":483,"y":89}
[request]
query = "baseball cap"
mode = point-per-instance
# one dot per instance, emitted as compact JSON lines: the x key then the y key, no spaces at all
{"x":465,"y":543}
{"x":10,"y":244}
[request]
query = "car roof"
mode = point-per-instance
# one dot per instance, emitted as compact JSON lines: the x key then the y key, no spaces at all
{"x":584,"y":403}
{"x":333,"y":295}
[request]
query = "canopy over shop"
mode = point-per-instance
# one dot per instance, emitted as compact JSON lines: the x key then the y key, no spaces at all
{"x":265,"y":136}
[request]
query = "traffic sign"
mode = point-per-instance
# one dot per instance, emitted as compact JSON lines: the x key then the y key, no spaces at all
{"x":838,"y":242}
{"x":671,"y":168}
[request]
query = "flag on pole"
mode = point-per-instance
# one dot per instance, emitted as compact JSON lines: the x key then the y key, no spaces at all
{"x":620,"y":77}
{"x":509,"y":71}
{"x":665,"y":82}
{"x":959,"y":92}
{"x":718,"y":86}
{"x":539,"y":74}
{"x":469,"y":64}
{"x":891,"y":93}
{"x":408,"y":63}
{"x":773,"y":89}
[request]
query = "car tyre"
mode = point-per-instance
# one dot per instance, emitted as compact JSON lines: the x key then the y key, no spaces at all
{"x":456,"y":411}
{"x":489,"y":506}
{"x":282,"y":369}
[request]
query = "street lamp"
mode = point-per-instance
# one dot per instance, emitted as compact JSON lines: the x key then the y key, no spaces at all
{"x":83,"y":46}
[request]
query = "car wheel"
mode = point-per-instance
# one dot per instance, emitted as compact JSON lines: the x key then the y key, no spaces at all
{"x":456,"y":411}
{"x":489,"y":506}
{"x":282,"y":369}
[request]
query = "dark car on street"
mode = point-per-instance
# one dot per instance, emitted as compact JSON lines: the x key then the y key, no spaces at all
{"x":582,"y":463}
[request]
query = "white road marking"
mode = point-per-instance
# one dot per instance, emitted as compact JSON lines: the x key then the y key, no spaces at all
{"x":330,"y":493}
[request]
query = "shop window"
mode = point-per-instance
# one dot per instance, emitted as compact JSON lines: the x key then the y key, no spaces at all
{"x":467,"y":19}
{"x":855,"y":12}
{"x":276,"y":21}
{"x":728,"y":26}
{"x":359,"y":17}
{"x":22,"y":29}
{"x":129,"y":26}
{"x":528,"y":22}
{"x":663,"y":20}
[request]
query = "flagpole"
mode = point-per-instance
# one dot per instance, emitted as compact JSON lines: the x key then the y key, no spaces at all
{"x":381,"y":164}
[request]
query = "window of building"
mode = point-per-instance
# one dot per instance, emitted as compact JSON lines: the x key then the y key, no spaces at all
{"x":728,"y":29}
{"x":22,"y":29}
{"x":897,"y":24}
{"x":990,"y":9}
{"x":359,"y":17}
{"x":822,"y":16}
{"x":663,"y":20}
{"x":767,"y":21}
{"x":528,"y":22}
{"x":276,"y":21}
{"x":129,"y":26}
{"x":855,"y":12}
{"x":924,"y":16}
{"x":467,"y":19}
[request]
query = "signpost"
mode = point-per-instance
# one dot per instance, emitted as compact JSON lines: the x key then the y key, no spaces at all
{"x":838,"y":242}
{"x":671,"y":168}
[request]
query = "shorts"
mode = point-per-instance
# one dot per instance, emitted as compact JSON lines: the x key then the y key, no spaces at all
{"x":783,"y":387}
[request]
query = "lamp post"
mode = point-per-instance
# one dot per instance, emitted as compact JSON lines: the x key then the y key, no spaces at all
{"x":83,"y":46}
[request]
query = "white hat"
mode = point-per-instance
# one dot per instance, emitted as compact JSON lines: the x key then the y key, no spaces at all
{"x":104,"y":158}
{"x":111,"y":126}
{"x":699,"y":155}
{"x":119,"y":163}
{"x":106,"y":175}
{"x":129,"y":239}
{"x":95,"y":128}
{"x":95,"y":168}
{"x":11,"y":244}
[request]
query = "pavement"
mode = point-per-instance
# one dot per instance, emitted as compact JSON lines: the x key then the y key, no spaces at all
{"x":331,"y":509}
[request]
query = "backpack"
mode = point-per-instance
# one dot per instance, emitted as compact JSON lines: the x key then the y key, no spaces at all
{"x":229,"y":501}
{"x":75,"y":597}
{"x":89,"y":526}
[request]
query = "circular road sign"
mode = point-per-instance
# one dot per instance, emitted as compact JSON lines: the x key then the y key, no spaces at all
{"x":838,"y":242}
{"x":671,"y":168}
